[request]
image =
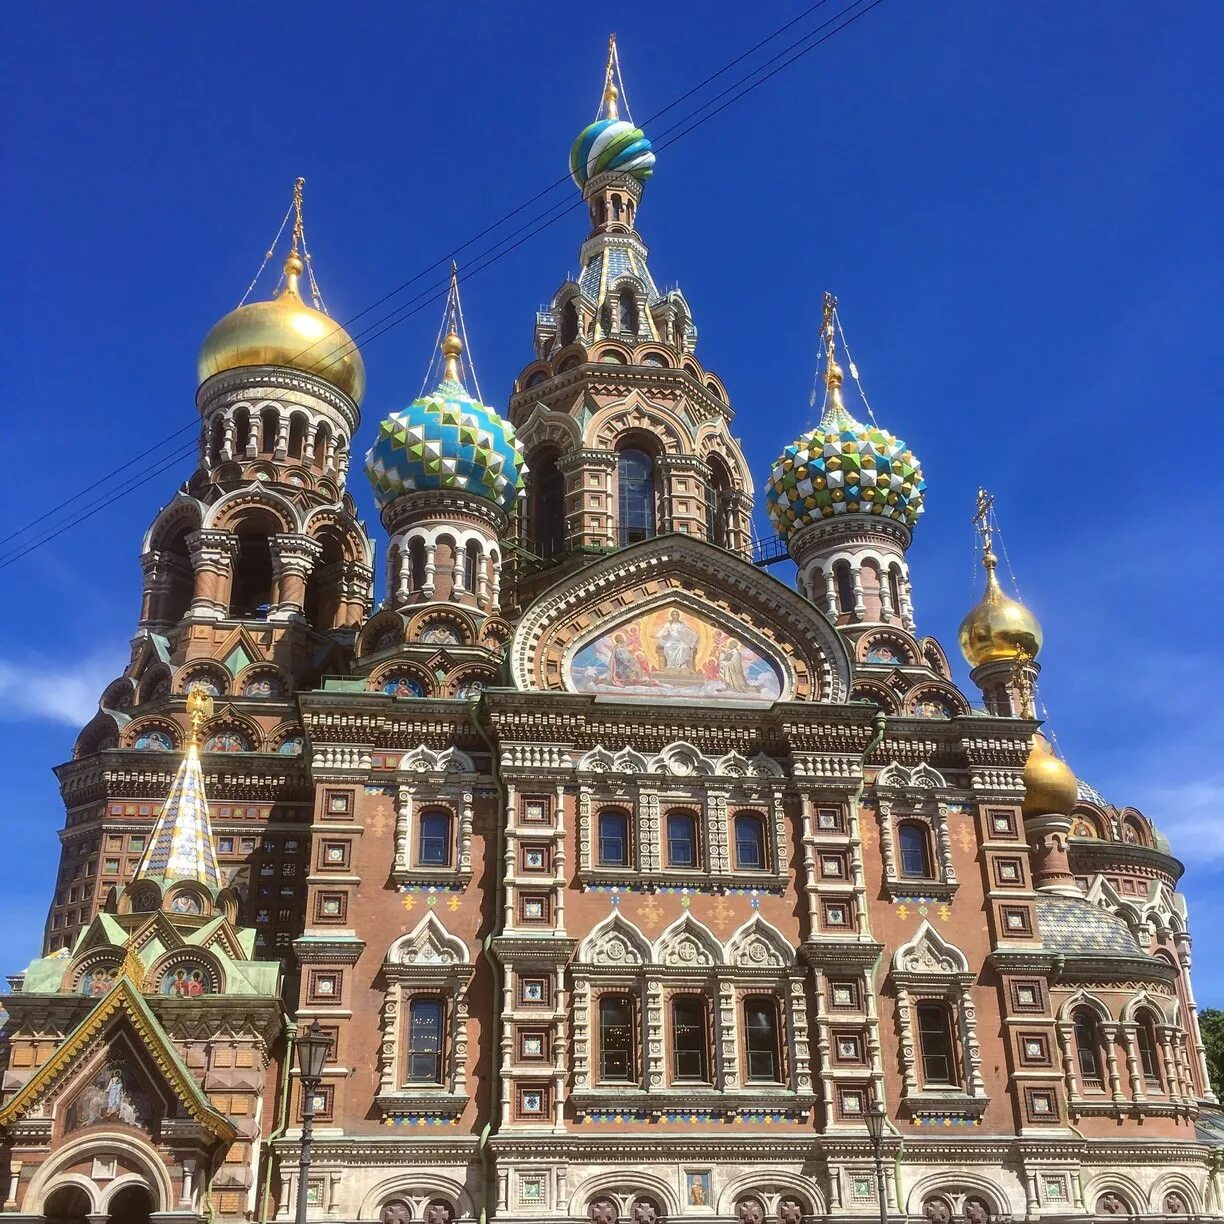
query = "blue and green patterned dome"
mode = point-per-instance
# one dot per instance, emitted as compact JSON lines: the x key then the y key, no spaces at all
{"x":611,"y":144}
{"x":843,"y":467}
{"x":446,"y":440}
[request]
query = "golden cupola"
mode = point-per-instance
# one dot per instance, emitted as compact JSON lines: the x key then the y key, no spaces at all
{"x":1050,"y":785}
{"x":286,"y":331}
{"x":997,"y":629}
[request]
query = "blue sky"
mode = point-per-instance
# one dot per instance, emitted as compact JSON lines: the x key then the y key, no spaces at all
{"x":1018,"y":206}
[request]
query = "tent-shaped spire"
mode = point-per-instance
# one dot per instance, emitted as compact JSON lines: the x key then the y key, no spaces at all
{"x":181,"y":847}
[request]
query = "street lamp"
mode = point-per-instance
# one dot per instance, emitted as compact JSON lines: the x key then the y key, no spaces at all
{"x":312,"y":1047}
{"x":876,"y":1117}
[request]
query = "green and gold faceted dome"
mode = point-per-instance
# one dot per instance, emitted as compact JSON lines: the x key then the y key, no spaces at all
{"x":447,"y":440}
{"x":843,"y":467}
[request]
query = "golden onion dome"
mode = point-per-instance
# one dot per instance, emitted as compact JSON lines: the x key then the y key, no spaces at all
{"x":285,"y":332}
{"x":1049,"y":784}
{"x":998,"y":628}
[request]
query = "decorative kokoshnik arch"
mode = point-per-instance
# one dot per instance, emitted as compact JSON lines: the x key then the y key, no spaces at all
{"x":693,"y":621}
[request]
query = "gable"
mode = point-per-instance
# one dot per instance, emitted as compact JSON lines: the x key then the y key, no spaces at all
{"x":120,"y":1019}
{"x":676,"y":618}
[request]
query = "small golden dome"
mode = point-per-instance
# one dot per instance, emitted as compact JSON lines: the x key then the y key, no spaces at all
{"x":998,"y":628}
{"x":1049,"y":784}
{"x":285,"y":332}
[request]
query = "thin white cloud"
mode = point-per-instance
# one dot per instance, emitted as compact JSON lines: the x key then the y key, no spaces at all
{"x":52,"y":692}
{"x":1189,"y":814}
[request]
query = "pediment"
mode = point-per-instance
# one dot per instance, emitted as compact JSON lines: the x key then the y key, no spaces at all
{"x":117,"y":1067}
{"x":676,"y":618}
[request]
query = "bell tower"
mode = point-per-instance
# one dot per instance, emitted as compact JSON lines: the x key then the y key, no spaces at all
{"x":626,"y":434}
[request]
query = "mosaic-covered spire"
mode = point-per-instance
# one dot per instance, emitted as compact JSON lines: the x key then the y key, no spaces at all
{"x":181,"y":845}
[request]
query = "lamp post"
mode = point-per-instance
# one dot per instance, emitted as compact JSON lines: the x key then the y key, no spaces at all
{"x":312,"y":1047}
{"x":876,"y":1118}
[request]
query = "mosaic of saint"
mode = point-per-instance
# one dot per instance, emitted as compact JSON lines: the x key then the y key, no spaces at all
{"x":672,"y":652}
{"x":113,"y":1095}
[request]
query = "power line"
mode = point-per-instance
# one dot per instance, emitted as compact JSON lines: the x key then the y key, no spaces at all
{"x":492,"y":254}
{"x":173,"y":460}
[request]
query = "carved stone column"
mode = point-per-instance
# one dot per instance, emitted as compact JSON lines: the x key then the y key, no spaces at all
{"x":293,"y":558}
{"x":1051,"y":865}
{"x":212,"y":559}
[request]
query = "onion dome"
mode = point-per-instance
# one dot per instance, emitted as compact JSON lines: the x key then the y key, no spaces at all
{"x":285,"y":332}
{"x":611,"y":144}
{"x":998,"y":629}
{"x":447,"y":440}
{"x":1050,"y":786}
{"x":843,"y":467}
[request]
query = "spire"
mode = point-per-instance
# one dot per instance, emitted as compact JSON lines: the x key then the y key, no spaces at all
{"x":181,"y":845}
{"x":835,"y":415}
{"x":611,"y":93}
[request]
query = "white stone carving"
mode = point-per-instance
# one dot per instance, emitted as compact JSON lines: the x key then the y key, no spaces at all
{"x":615,"y":941}
{"x":428,"y":943}
{"x":688,"y":944}
{"x":424,"y":760}
{"x":758,"y":945}
{"x":929,"y":953}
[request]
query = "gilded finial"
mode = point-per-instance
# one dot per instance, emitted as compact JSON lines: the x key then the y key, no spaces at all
{"x":611,"y":93}
{"x":452,"y":347}
{"x":981,"y":520}
{"x":299,"y":228}
{"x":833,"y":372}
{"x":199,"y":711}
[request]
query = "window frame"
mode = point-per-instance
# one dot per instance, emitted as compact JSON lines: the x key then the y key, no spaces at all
{"x":762,"y":841}
{"x":625,"y":837}
{"x":1146,"y":1048}
{"x":699,"y":1049}
{"x":637,"y":511}
{"x":768,"y":1005}
{"x":411,"y":1052}
{"x":1085,"y":1024}
{"x":919,"y":830}
{"x":604,"y":1026}
{"x":946,"y":1034}
{"x":695,"y":860}
{"x":446,"y":839}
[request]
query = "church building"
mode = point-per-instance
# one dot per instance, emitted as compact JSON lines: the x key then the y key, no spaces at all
{"x":627,"y":882}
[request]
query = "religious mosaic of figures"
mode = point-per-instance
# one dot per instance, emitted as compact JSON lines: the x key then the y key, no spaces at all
{"x":112,"y":1095}
{"x":672,"y":652}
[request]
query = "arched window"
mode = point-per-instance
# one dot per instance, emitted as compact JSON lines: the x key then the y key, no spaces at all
{"x":635,"y":495}
{"x":416,"y":562}
{"x":690,"y":1044}
{"x":627,"y":311}
{"x":845,"y":587}
{"x":297,"y":435}
{"x":716,"y":503}
{"x":322,"y":437}
{"x":471,"y":563}
{"x":251,"y":587}
{"x":613,"y":838}
{"x":761,"y":1031}
{"x":434,"y":839}
{"x":269,"y":423}
{"x":914,"y":850}
{"x":935,"y":1043}
{"x":616,"y":1038}
{"x":682,"y":840}
{"x":242,"y":431}
{"x":894,"y":589}
{"x":1145,"y":1039}
{"x":568,"y":331}
{"x":617,"y":207}
{"x":425,"y":1040}
{"x":546,"y":507}
{"x":1087,"y":1047}
{"x":216,"y":433}
{"x":750,"y":842}
{"x":681,"y":328}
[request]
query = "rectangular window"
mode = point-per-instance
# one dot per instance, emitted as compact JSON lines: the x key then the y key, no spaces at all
{"x":616,"y":1038}
{"x":425,"y":1017}
{"x":681,"y":840}
{"x":613,"y":838}
{"x":935,"y":1043}
{"x":690,"y":1061}
{"x":761,"y":1032}
{"x":225,"y":845}
{"x":433,"y":843}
